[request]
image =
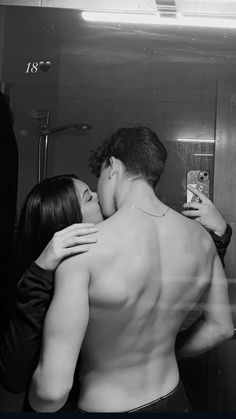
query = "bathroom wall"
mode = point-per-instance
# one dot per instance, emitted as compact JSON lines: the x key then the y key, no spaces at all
{"x":26,"y":41}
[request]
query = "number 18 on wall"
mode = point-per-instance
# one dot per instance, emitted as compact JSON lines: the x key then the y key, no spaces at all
{"x":32,"y":67}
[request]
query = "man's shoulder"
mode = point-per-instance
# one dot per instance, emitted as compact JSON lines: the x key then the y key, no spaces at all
{"x":84,"y":262}
{"x":194,"y":231}
{"x":200,"y":236}
{"x":185,"y":224}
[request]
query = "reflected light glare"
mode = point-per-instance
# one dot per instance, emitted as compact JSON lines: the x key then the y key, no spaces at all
{"x":207,"y":22}
{"x":203,"y":154}
{"x":118,"y":17}
{"x":194,"y":140}
{"x":155,"y":19}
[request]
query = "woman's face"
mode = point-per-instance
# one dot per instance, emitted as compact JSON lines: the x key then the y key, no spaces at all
{"x":90,"y":208}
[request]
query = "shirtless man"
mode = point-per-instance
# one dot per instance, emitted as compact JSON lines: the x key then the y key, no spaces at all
{"x":150,"y":267}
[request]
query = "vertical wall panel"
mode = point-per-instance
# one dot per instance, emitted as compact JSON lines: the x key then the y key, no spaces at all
{"x":222,"y":367}
{"x":225,"y":164}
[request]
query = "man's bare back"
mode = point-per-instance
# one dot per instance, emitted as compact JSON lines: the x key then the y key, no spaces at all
{"x":146,"y":274}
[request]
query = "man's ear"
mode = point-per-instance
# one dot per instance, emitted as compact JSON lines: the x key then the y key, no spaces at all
{"x":113,"y":167}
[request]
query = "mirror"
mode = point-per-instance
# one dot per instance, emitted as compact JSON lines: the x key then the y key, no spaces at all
{"x":75,"y":82}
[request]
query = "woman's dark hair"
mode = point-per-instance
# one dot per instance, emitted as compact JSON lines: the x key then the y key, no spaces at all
{"x":139,"y":149}
{"x":51,"y":206}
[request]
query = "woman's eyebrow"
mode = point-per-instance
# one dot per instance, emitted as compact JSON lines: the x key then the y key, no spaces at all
{"x":86,"y":190}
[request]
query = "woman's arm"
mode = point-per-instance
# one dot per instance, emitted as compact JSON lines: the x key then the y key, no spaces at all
{"x":20,"y":345}
{"x":64,"y":329}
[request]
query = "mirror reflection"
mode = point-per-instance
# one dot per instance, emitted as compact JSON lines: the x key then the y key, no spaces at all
{"x":67,"y":84}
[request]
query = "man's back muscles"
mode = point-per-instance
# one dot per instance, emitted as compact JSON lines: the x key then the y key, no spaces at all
{"x":146,"y":274}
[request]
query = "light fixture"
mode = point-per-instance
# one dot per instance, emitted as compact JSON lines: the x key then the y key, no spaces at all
{"x":195,"y":140}
{"x":203,"y":154}
{"x":118,"y":17}
{"x":207,"y":22}
{"x":156,"y":19}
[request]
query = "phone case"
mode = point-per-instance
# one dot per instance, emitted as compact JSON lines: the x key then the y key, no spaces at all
{"x":199,"y":179}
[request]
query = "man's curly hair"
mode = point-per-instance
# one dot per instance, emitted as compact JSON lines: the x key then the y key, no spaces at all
{"x":98,"y":157}
{"x":138,"y":148}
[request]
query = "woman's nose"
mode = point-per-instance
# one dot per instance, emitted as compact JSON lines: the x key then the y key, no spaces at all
{"x":95,"y":195}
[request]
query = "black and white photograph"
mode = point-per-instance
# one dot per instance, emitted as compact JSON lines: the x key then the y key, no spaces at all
{"x":118,"y":207}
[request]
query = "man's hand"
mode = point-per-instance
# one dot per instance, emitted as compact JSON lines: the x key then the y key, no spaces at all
{"x":205,"y":213}
{"x":71,"y":240}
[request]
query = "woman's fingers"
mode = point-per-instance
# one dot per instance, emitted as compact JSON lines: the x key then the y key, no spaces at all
{"x":73,"y":241}
{"x":75,"y":227}
{"x":75,"y":250}
{"x":81,"y":231}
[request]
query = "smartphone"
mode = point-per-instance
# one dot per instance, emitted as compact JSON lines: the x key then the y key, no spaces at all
{"x":200,"y":180}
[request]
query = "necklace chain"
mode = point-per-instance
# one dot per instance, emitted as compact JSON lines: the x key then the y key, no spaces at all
{"x":153,"y":215}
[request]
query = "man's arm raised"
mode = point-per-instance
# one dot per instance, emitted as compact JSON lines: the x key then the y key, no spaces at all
{"x":215,"y":324}
{"x":208,"y":215}
{"x":64,"y":329}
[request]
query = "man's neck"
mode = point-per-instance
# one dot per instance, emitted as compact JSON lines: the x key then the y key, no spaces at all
{"x":137,"y":193}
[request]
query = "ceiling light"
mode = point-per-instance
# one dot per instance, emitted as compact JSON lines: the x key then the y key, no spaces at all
{"x":156,"y":19}
{"x":203,"y":154}
{"x":140,"y":18}
{"x":195,"y":140}
{"x":207,"y":22}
